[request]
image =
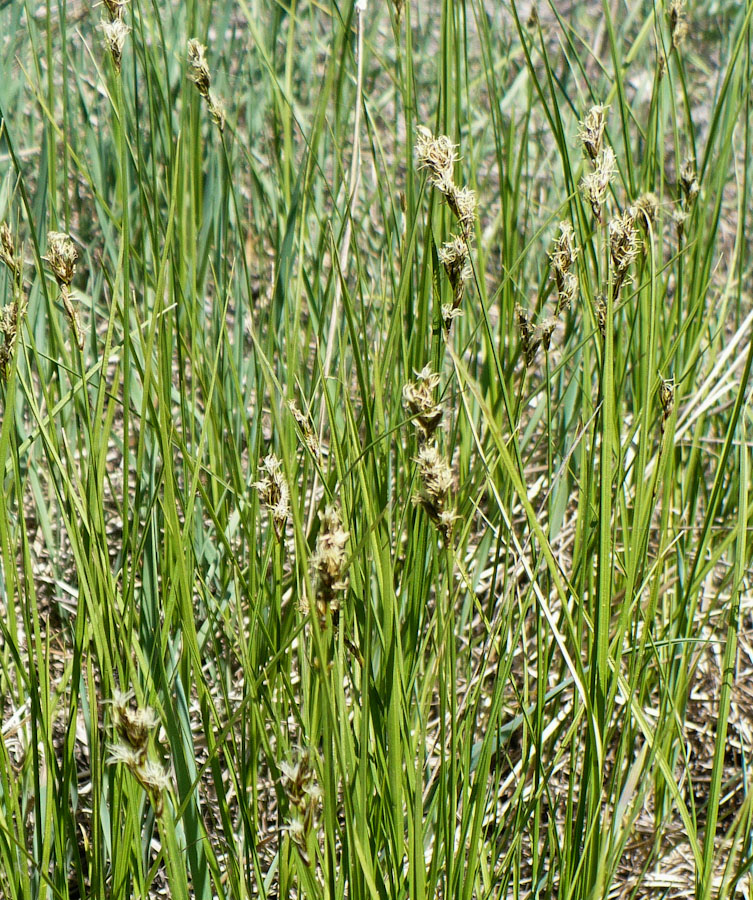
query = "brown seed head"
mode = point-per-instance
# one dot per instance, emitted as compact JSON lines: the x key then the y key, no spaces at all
{"x":601,"y":314}
{"x":454,"y":257}
{"x":678,"y":25}
{"x":438,"y":156}
{"x":328,"y":564}
{"x":462,"y":202}
{"x":689,"y":182}
{"x":309,"y":435}
{"x":133,"y":724}
{"x":61,"y":256}
{"x":562,"y":258}
{"x":523,"y":322}
{"x":591,"y":130}
{"x":198,"y":69}
{"x":546,"y":330}
{"x":273,"y":492}
{"x":567,"y":293}
{"x":115,"y":33}
{"x":661,"y":66}
{"x":8,"y":254}
{"x":434,"y":494}
{"x":115,"y":8}
{"x":667,"y":396}
{"x":529,"y":338}
{"x":595,"y":184}
{"x":646,"y":210}
{"x":216,"y":110}
{"x":418,"y":397}
{"x":624,"y":246}
{"x":680,"y":217}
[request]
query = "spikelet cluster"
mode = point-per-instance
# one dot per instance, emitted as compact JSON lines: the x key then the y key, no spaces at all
{"x":532,"y":337}
{"x":308,"y":434}
{"x":624,"y":247}
{"x":115,"y":30}
{"x":437,"y":155}
{"x":453,"y":255}
{"x":11,"y":315}
{"x":529,"y":343}
{"x":418,"y":398}
{"x":199,"y":74}
{"x":274,"y":493}
{"x":304,"y":799}
{"x":328,"y":565}
{"x":9,"y":256}
{"x":134,"y":728}
{"x":667,"y":396}
{"x":667,"y":400}
{"x":601,"y":314}
{"x":61,"y":258}
{"x":561,"y":260}
{"x":595,"y":184}
{"x":645,"y":210}
{"x":678,"y":25}
{"x":115,"y":35}
{"x":689,"y":183}
{"x":115,"y":8}
{"x":434,"y":491}
{"x":591,"y":131}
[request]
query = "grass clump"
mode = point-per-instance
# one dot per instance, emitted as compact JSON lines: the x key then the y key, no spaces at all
{"x":383,"y":426}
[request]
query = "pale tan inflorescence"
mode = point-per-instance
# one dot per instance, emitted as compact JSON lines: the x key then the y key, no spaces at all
{"x":135,"y":728}
{"x":591,"y":131}
{"x":11,"y":315}
{"x":453,"y":255}
{"x":61,"y":258}
{"x":678,"y":25}
{"x":199,"y":74}
{"x":115,"y":30}
{"x":115,"y":8}
{"x":595,"y":184}
{"x":328,"y":565}
{"x":437,"y":155}
{"x":115,"y":34}
{"x":274,"y":492}
{"x":624,"y":247}
{"x":561,"y":260}
{"x":435,"y":485}
{"x":9,"y":255}
{"x":689,"y":183}
{"x":622,"y":238}
{"x":418,"y":397}
{"x":645,"y":210}
{"x":310,"y":438}
{"x":304,"y":800}
{"x":198,"y":68}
